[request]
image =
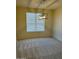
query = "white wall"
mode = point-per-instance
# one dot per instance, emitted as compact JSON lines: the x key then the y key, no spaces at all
{"x":57,"y":24}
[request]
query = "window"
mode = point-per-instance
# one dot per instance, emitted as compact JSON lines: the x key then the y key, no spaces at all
{"x":35,"y":22}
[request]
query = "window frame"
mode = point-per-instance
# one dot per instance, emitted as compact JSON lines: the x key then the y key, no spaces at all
{"x":44,"y":22}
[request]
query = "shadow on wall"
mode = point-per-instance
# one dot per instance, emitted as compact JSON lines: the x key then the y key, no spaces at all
{"x":21,"y":32}
{"x":57,"y":26}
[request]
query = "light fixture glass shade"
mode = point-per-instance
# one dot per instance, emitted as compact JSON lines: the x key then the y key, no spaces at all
{"x":41,"y":16}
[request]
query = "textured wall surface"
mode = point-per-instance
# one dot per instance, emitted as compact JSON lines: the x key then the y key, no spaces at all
{"x":21,"y":25}
{"x":57,"y":24}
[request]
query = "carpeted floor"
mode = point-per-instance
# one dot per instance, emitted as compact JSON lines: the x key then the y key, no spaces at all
{"x":39,"y":48}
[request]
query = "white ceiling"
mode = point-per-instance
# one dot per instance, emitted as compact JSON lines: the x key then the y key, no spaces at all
{"x":43,"y":4}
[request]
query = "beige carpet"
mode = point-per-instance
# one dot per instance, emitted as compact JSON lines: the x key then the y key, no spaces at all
{"x":39,"y":48}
